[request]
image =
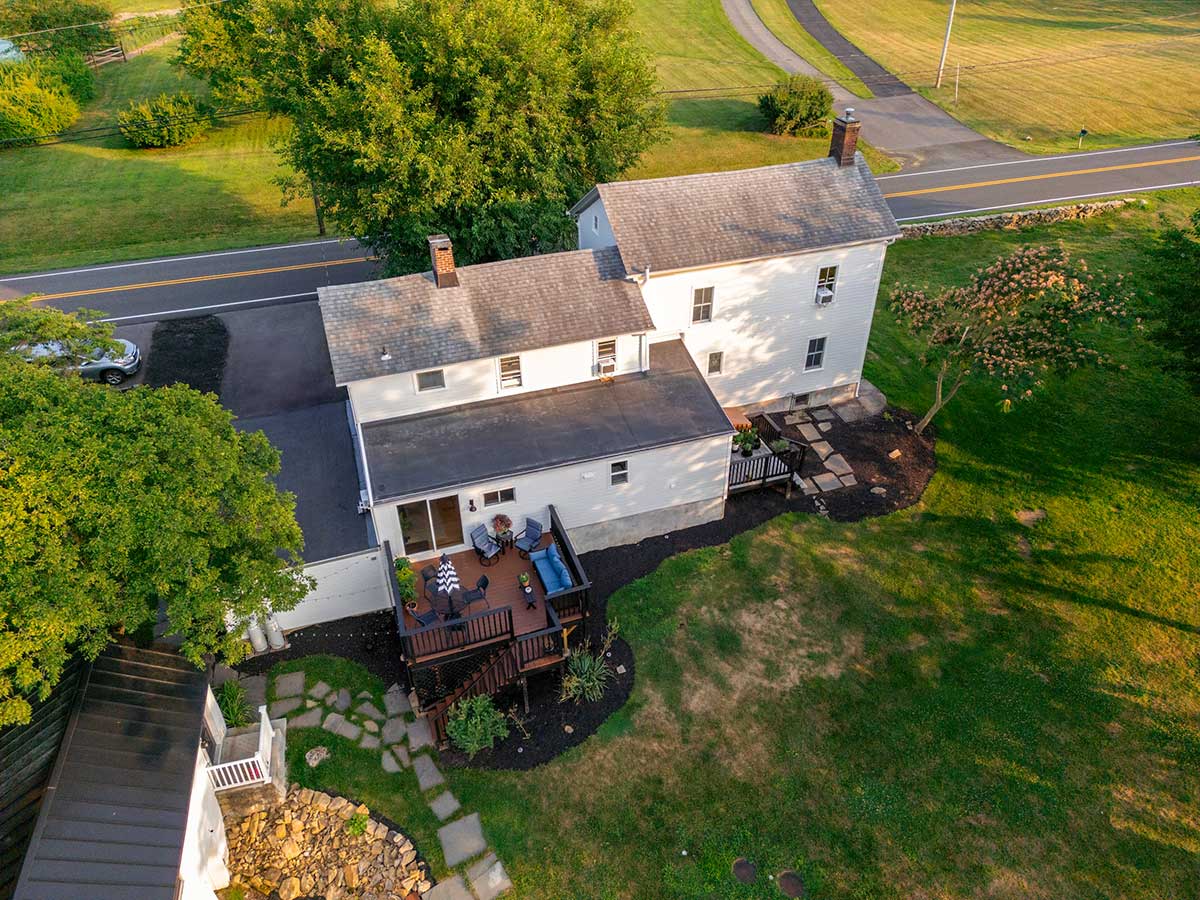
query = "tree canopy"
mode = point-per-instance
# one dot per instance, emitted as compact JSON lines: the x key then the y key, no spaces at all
{"x":112,"y":502}
{"x":483,"y":119}
{"x":38,"y":25}
{"x":1025,"y":316}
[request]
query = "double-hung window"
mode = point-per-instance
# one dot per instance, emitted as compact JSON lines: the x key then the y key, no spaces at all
{"x":495,"y":498}
{"x":815,"y":357}
{"x":716,"y":362}
{"x":702,"y":305}
{"x":618,"y":473}
{"x":510,"y":372}
{"x":606,"y":356}
{"x":826,"y":284}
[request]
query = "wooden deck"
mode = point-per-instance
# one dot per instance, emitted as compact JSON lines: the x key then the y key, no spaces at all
{"x":502,"y":591}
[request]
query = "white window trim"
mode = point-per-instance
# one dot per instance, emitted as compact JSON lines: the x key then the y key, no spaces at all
{"x":597,"y":357}
{"x":612,"y":474}
{"x":712,"y":310}
{"x":429,"y":390}
{"x":498,"y":492}
{"x":500,"y":386}
{"x":708,"y":363}
{"x":837,"y":276}
{"x":824,"y":352}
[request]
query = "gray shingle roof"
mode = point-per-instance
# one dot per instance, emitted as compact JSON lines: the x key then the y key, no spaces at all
{"x":466,"y":444}
{"x":721,"y":217}
{"x":502,"y":307}
{"x":113,"y":819}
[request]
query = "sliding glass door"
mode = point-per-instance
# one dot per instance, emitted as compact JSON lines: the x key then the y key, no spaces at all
{"x":430,"y":524}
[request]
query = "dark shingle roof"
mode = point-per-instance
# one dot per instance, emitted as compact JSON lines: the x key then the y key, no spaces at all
{"x":112,"y":822}
{"x":464,"y":444}
{"x":503,"y":307}
{"x":722,"y":217}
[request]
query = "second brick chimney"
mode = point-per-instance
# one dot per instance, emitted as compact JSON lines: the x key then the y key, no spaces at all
{"x":845,"y":138}
{"x":441,"y":257}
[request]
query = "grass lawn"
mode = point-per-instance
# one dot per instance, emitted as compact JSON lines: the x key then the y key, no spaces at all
{"x":776,"y":15}
{"x":1125,"y":70}
{"x":910,"y":706}
{"x":91,"y":201}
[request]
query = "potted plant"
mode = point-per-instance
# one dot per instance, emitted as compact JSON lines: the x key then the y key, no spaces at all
{"x":523,"y":579}
{"x":746,"y":441}
{"x":406,"y":583}
{"x":502,"y":525}
{"x":780,"y":445}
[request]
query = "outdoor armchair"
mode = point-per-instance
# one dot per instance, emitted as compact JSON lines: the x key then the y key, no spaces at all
{"x":485,"y":546}
{"x":530,"y":538}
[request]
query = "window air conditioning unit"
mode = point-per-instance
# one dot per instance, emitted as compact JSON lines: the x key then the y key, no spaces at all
{"x":824,"y":296}
{"x":606,"y":366}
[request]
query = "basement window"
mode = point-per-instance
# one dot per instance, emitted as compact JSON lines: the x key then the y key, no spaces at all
{"x":619,"y":472}
{"x":510,"y":372}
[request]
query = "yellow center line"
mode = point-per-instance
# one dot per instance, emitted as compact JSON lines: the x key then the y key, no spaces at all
{"x":977,"y":184}
{"x":196,"y":278}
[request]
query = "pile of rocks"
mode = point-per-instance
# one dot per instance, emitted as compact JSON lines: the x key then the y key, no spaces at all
{"x":1026,"y":218}
{"x":304,"y":848}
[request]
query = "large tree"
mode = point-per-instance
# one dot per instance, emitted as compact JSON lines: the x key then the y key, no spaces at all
{"x":1027,"y":315}
{"x":1177,"y":285}
{"x":483,"y":119}
{"x":52,"y":26}
{"x":112,"y":502}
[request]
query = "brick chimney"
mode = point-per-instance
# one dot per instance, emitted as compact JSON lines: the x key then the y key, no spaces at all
{"x":845,"y":138}
{"x":441,"y":257}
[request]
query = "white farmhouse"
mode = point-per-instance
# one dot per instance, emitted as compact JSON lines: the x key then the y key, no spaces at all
{"x":601,"y":381}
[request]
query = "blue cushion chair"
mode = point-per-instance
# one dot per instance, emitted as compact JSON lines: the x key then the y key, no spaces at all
{"x":554,"y":575}
{"x":485,"y":546}
{"x":530,"y":538}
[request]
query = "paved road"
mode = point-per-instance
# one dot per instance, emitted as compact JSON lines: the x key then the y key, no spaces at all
{"x":262,"y":276}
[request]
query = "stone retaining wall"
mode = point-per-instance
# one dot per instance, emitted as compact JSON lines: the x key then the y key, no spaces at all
{"x":1026,"y":218}
{"x":302,"y":848}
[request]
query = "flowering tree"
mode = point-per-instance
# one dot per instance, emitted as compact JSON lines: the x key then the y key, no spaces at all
{"x":1028,"y":314}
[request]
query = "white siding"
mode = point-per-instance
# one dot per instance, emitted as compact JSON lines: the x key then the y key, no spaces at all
{"x":764,"y":315}
{"x":582,"y":493}
{"x":202,"y":868}
{"x":396,"y":395}
{"x":594,"y":228}
{"x":346,"y":586}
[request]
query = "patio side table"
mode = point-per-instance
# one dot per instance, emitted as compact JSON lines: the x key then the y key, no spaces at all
{"x":506,"y":539}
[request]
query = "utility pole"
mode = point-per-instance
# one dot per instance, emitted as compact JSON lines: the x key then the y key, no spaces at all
{"x":318,"y":209}
{"x":946,"y":43}
{"x":957,"y":72}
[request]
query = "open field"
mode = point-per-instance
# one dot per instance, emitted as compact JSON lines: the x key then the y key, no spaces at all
{"x":917,"y":705}
{"x":91,"y":201}
{"x":1126,"y":70}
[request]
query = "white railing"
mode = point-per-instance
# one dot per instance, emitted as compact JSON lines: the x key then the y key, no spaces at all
{"x":244,"y":772}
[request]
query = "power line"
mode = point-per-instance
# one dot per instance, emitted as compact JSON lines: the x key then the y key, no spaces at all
{"x":109,"y":22}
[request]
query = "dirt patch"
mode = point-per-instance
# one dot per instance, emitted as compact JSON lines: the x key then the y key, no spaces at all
{"x":188,"y":351}
{"x":546,"y":725}
{"x":1030,"y":517}
{"x":1024,"y":547}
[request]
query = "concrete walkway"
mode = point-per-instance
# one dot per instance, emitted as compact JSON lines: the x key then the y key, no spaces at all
{"x":918,"y":133}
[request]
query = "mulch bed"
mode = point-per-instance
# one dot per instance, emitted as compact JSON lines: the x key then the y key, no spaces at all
{"x":188,"y":351}
{"x":548,"y":720}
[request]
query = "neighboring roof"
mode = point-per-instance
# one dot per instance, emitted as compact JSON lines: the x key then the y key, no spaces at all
{"x":502,"y":307}
{"x":723,"y":217}
{"x":112,"y":823}
{"x":542,"y":429}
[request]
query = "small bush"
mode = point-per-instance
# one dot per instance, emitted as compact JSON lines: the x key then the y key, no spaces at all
{"x":169,"y":120}
{"x":33,"y":103}
{"x":406,"y":580}
{"x":802,"y":104}
{"x":231,"y":698}
{"x":475,"y":724}
{"x":72,"y":69}
{"x":356,"y":825}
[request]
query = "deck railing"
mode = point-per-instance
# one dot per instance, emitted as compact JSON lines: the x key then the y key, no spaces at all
{"x":256,"y":769}
{"x":541,"y":645}
{"x":750,"y":472}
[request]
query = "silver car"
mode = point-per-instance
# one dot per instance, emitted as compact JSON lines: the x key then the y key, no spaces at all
{"x":112,"y":368}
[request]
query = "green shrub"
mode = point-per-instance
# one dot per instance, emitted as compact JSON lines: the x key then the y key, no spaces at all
{"x":75,"y":73}
{"x":33,"y":103}
{"x":168,"y":120}
{"x":231,"y":699}
{"x":406,"y":580}
{"x":586,"y":678}
{"x":802,"y":104}
{"x":475,"y":724}
{"x":356,"y":825}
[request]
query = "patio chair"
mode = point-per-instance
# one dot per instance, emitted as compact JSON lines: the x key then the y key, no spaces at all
{"x":477,"y":594}
{"x":485,"y":546}
{"x":429,"y":573}
{"x":530,"y":538}
{"x":428,"y":617}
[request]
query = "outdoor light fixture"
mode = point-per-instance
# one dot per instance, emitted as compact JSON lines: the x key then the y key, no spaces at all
{"x":384,"y":356}
{"x":471,"y":504}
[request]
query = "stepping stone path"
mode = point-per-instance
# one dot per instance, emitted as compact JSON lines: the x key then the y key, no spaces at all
{"x":488,"y":878}
{"x":444,"y":806}
{"x":790,"y":884}
{"x":822,"y":414}
{"x":256,"y":690}
{"x":744,"y":870}
{"x":395,"y":733}
{"x":462,"y":839}
{"x":837,"y":465}
{"x":428,"y":776}
{"x":810,"y":433}
{"x":837,"y":472}
{"x":827,"y":481}
{"x":821,"y":448}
